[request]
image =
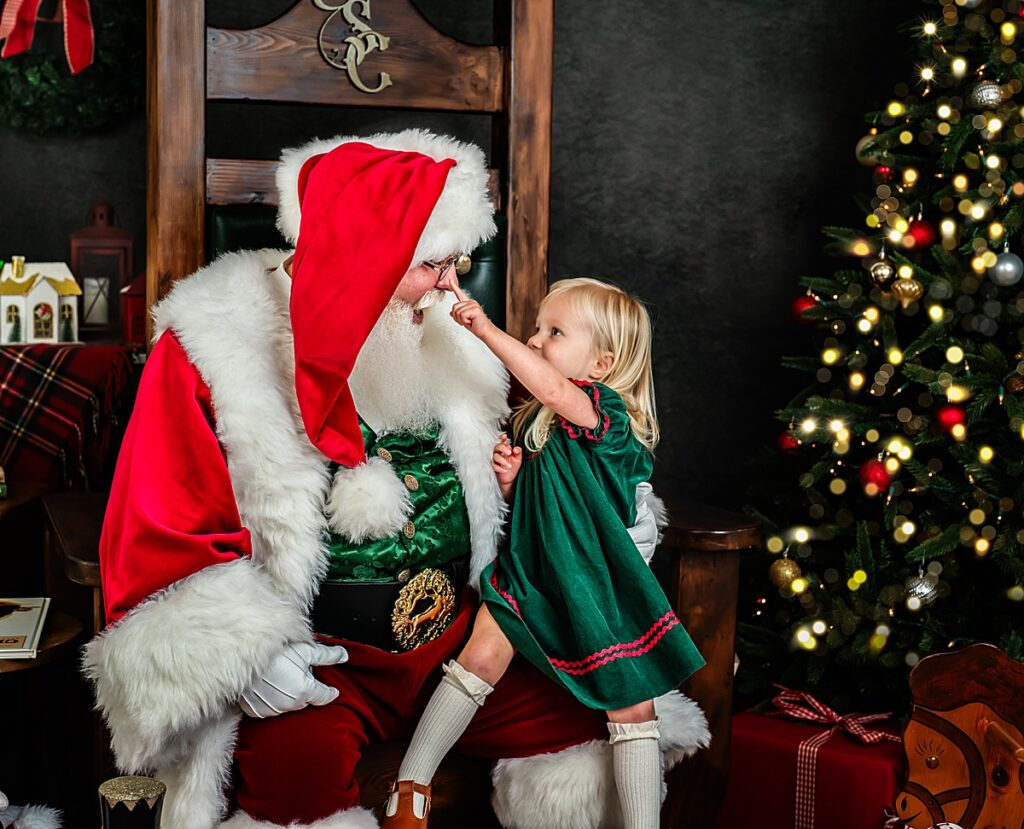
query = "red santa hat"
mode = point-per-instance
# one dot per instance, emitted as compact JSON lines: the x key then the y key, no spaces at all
{"x":362,"y":212}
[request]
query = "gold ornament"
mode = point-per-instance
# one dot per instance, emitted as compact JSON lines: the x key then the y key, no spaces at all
{"x":907,"y":291}
{"x":783,"y":571}
{"x":882,"y":273}
{"x":463,"y":264}
{"x":1015,"y":384}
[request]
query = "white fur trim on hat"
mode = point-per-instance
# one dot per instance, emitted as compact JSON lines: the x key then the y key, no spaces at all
{"x":356,"y":818}
{"x":368,"y":501}
{"x":575,"y":788}
{"x":463,"y":217}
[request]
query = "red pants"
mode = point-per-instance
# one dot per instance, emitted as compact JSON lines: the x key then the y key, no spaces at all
{"x":299,"y":766}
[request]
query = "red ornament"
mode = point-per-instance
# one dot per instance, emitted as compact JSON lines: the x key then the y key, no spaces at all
{"x":874,"y":477}
{"x":801,"y":304}
{"x":948,"y":416}
{"x":923,"y":233}
{"x":883,"y":173}
{"x":787,"y":442}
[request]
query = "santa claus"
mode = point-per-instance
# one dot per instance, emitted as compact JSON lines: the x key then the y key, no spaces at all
{"x":303,"y":503}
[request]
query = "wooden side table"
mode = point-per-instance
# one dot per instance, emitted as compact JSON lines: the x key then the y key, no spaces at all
{"x":61,"y":633}
{"x":45,"y":724}
{"x":703,"y":545}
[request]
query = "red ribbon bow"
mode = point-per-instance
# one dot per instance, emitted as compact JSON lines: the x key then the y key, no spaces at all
{"x":18,"y":24}
{"x":802,"y":706}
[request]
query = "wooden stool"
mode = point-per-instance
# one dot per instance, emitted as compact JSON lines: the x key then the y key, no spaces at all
{"x":73,"y":524}
{"x":73,"y":521}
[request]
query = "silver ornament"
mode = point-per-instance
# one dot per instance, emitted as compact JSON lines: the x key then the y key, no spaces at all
{"x":1007,"y":270}
{"x":985,"y":95}
{"x":923,"y":588}
{"x":882,"y":273}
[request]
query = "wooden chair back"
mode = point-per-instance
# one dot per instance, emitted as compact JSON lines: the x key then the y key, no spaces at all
{"x":347,"y":53}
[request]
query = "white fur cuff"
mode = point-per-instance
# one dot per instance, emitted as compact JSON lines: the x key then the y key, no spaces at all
{"x":368,"y":501}
{"x":182,"y":657}
{"x":575,"y":788}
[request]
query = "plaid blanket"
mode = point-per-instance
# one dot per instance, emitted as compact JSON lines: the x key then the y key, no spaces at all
{"x":60,"y":407}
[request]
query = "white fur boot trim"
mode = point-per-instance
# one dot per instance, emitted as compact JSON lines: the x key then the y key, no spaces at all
{"x":357,"y":818}
{"x":575,"y":788}
{"x":368,"y":501}
{"x":30,"y":817}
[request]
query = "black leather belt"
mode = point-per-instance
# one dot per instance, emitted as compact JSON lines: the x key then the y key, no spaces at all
{"x":392,"y":615}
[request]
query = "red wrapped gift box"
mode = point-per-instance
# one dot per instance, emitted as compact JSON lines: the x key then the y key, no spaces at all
{"x":854,"y":783}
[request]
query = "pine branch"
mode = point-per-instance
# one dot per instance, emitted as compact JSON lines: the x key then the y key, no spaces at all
{"x":954,"y":143}
{"x":945,"y":542}
{"x":864,"y":553}
{"x":929,"y":337}
{"x":841,"y":234}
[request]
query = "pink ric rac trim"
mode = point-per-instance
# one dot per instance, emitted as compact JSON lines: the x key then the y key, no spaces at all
{"x":624,"y":650}
{"x":512,"y":602}
{"x":590,"y":434}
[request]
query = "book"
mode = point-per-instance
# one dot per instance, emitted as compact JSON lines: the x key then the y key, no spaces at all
{"x":21,"y":626}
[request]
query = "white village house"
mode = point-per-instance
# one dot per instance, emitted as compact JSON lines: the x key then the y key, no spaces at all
{"x":41,"y":307}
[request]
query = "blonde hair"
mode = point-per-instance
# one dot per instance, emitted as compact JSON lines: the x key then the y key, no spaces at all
{"x":618,"y":323}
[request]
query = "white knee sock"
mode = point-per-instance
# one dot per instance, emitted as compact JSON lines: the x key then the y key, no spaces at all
{"x":638,"y":772}
{"x":446,"y":716}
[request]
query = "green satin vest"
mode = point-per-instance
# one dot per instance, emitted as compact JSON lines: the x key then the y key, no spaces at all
{"x":438,"y":529}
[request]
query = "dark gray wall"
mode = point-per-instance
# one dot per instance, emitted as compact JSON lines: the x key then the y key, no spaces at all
{"x":698,"y":148}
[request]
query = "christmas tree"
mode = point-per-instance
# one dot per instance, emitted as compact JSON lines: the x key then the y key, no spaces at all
{"x":893,"y":506}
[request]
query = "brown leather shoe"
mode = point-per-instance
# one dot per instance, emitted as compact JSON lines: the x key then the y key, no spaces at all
{"x":405,"y":815}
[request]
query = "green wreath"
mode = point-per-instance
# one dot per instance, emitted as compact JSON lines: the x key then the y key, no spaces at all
{"x":39,"y":94}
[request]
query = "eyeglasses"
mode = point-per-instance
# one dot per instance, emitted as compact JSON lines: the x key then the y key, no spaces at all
{"x":442,"y":266}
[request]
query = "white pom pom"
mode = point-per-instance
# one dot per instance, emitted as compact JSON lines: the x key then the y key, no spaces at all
{"x":368,"y":502}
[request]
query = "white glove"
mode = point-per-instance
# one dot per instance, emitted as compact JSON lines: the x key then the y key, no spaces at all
{"x":4,"y":802}
{"x":288,"y":683}
{"x":645,"y":532}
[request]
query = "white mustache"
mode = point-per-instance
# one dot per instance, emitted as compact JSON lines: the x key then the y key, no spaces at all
{"x":431,"y":297}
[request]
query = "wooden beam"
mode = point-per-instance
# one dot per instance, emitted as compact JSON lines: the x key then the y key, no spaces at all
{"x":250,"y":181}
{"x":175,"y":116}
{"x":529,"y":161}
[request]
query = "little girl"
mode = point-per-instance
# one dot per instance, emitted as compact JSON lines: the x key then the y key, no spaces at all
{"x":571,"y":593}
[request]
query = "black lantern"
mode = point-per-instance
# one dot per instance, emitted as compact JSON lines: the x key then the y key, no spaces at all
{"x":101,"y":260}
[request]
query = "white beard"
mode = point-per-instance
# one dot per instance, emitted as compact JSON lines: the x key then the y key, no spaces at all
{"x":391,"y":378}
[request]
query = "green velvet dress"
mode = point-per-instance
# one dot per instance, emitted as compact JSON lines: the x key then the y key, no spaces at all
{"x":570,"y":590}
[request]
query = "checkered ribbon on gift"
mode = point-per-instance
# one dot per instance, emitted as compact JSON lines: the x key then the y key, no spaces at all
{"x":802,"y":706}
{"x":56,"y":403}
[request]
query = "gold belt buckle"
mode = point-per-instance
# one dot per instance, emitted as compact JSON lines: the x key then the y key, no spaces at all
{"x":423,"y":609}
